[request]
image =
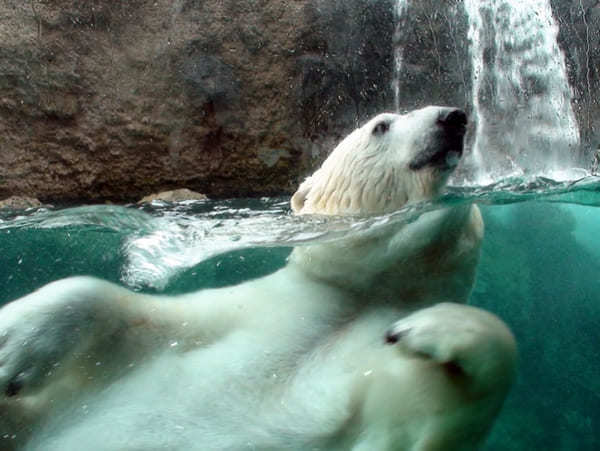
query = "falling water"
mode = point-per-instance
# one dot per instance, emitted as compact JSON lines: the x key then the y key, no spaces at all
{"x":401,"y":8}
{"x":521,"y":96}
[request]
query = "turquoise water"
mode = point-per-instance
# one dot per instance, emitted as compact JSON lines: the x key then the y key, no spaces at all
{"x":539,"y":271}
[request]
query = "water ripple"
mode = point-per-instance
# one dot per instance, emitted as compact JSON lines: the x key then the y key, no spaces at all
{"x":162,"y":239}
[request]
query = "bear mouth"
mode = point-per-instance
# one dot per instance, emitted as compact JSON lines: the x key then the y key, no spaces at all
{"x":447,"y":143}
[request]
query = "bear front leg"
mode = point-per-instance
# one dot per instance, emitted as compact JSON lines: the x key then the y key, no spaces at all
{"x":437,"y":382}
{"x":57,"y":327}
{"x":464,"y":340}
{"x":56,"y":342}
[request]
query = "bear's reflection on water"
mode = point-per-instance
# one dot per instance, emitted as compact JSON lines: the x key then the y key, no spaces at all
{"x":350,"y":346}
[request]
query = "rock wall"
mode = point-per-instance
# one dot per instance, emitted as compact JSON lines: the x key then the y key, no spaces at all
{"x":434,"y":50}
{"x":579,"y":37}
{"x":103,"y":100}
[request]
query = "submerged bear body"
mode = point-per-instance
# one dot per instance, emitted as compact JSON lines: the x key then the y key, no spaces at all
{"x":350,"y":346}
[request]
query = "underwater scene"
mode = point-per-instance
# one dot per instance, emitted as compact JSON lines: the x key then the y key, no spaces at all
{"x":105,"y":103}
{"x":539,"y":271}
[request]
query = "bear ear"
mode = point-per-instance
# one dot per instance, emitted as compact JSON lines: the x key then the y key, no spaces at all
{"x":299,"y":197}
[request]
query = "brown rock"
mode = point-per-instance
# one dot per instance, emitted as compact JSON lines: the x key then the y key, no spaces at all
{"x":110,"y":100}
{"x":578,"y":37}
{"x":20,"y":203}
{"x":177,"y":195}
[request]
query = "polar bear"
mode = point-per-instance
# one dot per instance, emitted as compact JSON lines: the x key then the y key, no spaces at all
{"x":348,"y":347}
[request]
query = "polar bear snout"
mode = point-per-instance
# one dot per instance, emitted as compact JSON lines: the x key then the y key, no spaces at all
{"x":453,"y":120}
{"x":454,"y":126}
{"x":446,"y":146}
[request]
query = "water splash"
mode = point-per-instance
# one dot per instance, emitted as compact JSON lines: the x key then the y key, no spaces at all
{"x":161,"y":241}
{"x":181,"y":238}
{"x":521,"y":96}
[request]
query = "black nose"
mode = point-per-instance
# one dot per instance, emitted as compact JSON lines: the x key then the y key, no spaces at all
{"x":453,"y":119}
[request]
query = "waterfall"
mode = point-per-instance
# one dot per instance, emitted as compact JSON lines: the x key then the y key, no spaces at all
{"x":401,"y":8}
{"x":521,"y":96}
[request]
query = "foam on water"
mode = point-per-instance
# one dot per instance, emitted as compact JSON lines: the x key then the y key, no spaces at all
{"x":183,"y":240}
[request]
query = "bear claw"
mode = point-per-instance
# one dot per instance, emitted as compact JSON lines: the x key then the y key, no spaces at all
{"x":14,"y":387}
{"x":393,"y":336}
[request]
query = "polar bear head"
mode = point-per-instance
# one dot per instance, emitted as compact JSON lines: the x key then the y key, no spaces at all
{"x":391,"y":160}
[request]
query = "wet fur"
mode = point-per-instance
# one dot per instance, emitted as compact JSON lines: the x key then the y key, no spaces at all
{"x":295,"y":360}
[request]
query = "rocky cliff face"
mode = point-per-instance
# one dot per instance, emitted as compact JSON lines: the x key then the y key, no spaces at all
{"x":113,"y":100}
{"x":579,"y":37}
{"x":435,"y":63}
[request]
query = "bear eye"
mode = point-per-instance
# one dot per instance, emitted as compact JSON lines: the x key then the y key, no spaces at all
{"x":381,"y":128}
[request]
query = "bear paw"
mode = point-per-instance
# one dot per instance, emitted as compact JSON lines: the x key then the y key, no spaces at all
{"x":427,"y":342}
{"x":38,"y":333}
{"x":462,"y":339}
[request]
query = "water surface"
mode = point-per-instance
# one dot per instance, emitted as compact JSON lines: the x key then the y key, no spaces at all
{"x":539,"y":271}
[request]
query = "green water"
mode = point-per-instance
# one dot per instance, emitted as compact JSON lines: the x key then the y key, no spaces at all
{"x":539,"y":271}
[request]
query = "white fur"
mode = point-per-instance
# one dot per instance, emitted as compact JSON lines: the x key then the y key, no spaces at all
{"x":296,"y":360}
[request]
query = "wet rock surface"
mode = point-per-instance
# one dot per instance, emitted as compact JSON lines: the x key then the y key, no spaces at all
{"x":19,"y":203}
{"x":177,"y":195}
{"x":579,"y":38}
{"x":106,"y":100}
